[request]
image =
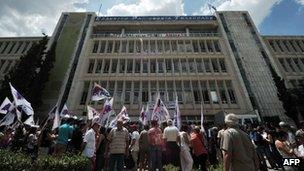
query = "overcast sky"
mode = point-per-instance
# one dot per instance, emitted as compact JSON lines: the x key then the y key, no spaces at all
{"x":32,"y":17}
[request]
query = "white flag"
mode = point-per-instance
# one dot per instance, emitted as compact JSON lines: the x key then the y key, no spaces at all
{"x":56,"y":122}
{"x":6,"y":106}
{"x":107,"y":111}
{"x":160,"y":112}
{"x":202,"y":119}
{"x":147,"y":117}
{"x":21,"y":101}
{"x":142,"y":115}
{"x":123,"y":115}
{"x":30,"y":121}
{"x":177,"y":115}
{"x":92,"y":112}
{"x":64,"y":111}
{"x":99,"y":93}
{"x":8,"y":119}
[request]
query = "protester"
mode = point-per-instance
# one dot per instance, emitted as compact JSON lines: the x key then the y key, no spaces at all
{"x":185,"y":155}
{"x":6,"y":138}
{"x":144,"y":149}
{"x":239,"y":152}
{"x":155,"y":142}
{"x":65,"y":133}
{"x":119,"y":143}
{"x":200,"y":153}
{"x":134,"y":145}
{"x":171,"y":139}
{"x":100,"y":151}
{"x":77,"y":137}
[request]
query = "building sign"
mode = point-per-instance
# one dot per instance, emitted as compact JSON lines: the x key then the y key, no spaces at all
{"x":156,"y":18}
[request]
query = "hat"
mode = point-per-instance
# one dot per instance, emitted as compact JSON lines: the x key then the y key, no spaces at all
{"x":96,"y":120}
{"x":282,"y":124}
{"x":67,"y":116}
{"x":231,"y":119}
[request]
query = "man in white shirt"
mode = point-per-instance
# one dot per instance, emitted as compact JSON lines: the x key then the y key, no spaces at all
{"x":134,"y":146}
{"x":171,"y":139}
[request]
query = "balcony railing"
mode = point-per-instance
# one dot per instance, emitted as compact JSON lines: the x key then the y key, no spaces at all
{"x":132,"y":35}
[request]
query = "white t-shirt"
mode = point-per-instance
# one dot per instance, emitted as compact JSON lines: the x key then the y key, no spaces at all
{"x":301,"y":150}
{"x":90,"y":147}
{"x":171,"y":133}
{"x":135,"y":136}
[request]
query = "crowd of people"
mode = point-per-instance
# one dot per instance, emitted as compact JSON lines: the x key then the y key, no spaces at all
{"x":133,"y":146}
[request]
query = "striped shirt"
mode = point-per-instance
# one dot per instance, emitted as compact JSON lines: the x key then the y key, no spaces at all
{"x":118,"y":141}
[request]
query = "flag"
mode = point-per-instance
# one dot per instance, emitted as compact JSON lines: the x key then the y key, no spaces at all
{"x":142,"y":115}
{"x":52,"y":112}
{"x":211,"y":6}
{"x":92,"y":112}
{"x":99,"y":93}
{"x":64,"y":111}
{"x":123,"y":115}
{"x":6,"y":106}
{"x":202,"y":119}
{"x":177,"y":116}
{"x":8,"y":119}
{"x":30,"y":121}
{"x":21,"y":101}
{"x":147,"y":117}
{"x":56,"y":122}
{"x":107,"y":111}
{"x":160,"y":112}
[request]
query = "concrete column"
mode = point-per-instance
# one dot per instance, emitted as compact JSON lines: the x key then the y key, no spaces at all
{"x":187,"y":31}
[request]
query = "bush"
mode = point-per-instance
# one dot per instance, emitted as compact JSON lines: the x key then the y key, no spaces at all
{"x":19,"y":161}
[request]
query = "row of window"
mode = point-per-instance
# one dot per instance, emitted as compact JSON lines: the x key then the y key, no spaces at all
{"x":188,"y":92}
{"x":156,"y":46}
{"x":6,"y":65}
{"x":296,"y":83}
{"x":292,"y":64}
{"x":184,"y":65}
{"x":287,"y":45}
{"x":14,"y":47}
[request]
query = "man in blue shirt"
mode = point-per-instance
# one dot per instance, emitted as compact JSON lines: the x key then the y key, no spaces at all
{"x":65,"y":132}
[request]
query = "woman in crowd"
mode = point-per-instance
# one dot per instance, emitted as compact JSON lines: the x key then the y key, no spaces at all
{"x":185,"y":155}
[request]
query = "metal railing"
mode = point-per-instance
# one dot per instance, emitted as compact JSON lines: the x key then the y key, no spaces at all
{"x":162,"y":35}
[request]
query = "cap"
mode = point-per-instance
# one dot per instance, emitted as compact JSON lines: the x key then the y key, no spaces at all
{"x":231,"y":119}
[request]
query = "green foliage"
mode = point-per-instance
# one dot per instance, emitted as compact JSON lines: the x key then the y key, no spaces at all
{"x":18,"y":161}
{"x":170,"y":167}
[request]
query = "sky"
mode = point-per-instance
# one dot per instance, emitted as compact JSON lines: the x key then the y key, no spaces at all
{"x":32,"y":17}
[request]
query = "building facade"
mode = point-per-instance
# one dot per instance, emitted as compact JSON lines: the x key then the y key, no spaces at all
{"x":220,"y":62}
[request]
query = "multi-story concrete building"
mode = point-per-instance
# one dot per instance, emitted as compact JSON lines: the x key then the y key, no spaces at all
{"x":220,"y":61}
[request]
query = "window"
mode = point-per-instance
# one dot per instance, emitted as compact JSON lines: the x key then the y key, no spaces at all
{"x":222,"y":65}
{"x":299,"y":45}
{"x":91,"y":66}
{"x":123,"y":46}
{"x":106,"y":66}
{"x":8,"y":66}
{"x":162,"y":90}
{"x":111,"y":87}
{"x":170,"y":91}
{"x":184,"y":65}
{"x":160,"y":65}
{"x":292,"y":45}
{"x":167,"y":46}
{"x":119,"y":90}
{"x":102,"y":46}
{"x":286,"y":45}
{"x":289,"y":62}
{"x":95,"y":47}
{"x":1,"y":63}
{"x":217,"y":46}
{"x":98,"y":67}
{"x":188,"y":46}
{"x":130,"y":66}
{"x":222,"y":92}
{"x":152,"y":46}
{"x":128,"y":90}
{"x":136,"y":91}
{"x":145,"y":46}
{"x":205,"y":92}
{"x":116,"y":46}
{"x":27,"y":43}
{"x":152,"y":65}
{"x":173,"y":46}
{"x":187,"y":92}
{"x":202,"y":45}
{"x":179,"y":91}
{"x":279,"y":45}
{"x":272,"y":45}
{"x":145,"y":65}
{"x":110,"y":47}
{"x":281,"y":60}
{"x":176,"y":65}
{"x":230,"y":92}
{"x":207,"y":65}
{"x":114,"y":65}
{"x":131,"y":46}
{"x":195,"y":46}
{"x":5,"y":46}
{"x":192,"y":65}
{"x":137,"y":65}
{"x":122,"y":64}
{"x":199,"y":65}
{"x":180,"y":46}
{"x":196,"y":92}
{"x":153,"y":90}
{"x":209,"y":46}
{"x":168,"y":65}
{"x":160,"y":48}
{"x":213,"y":92}
{"x":215,"y":65}
{"x":145,"y":91}
{"x":296,"y":61}
{"x":137,"y":46}
{"x":84,"y":93}
{"x":12,"y":47}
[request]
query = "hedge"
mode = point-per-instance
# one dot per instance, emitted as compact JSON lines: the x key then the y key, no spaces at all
{"x":20,"y":162}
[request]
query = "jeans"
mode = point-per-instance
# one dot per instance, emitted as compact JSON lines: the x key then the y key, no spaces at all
{"x":155,"y":158}
{"x":116,"y":160}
